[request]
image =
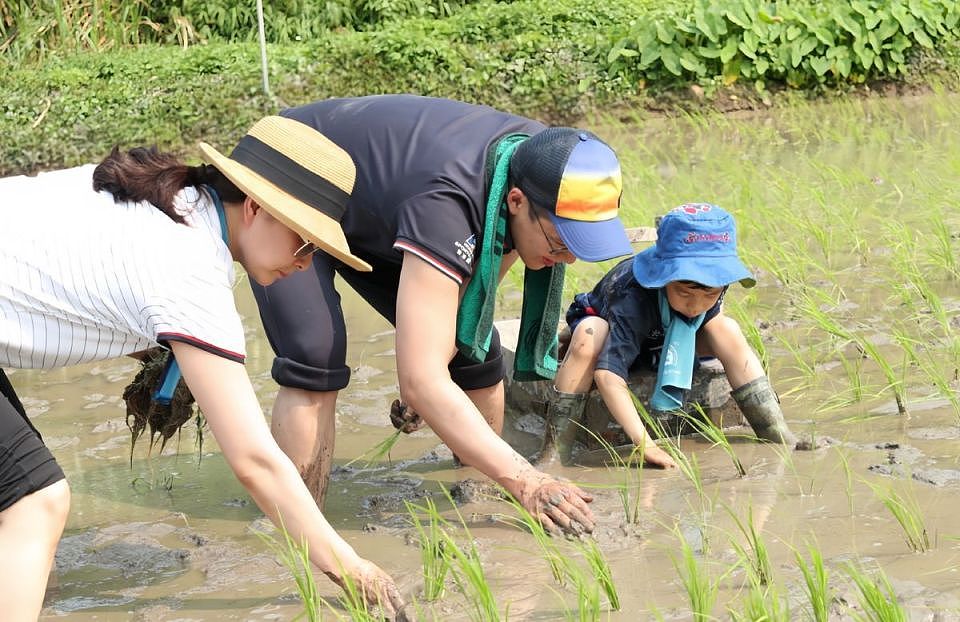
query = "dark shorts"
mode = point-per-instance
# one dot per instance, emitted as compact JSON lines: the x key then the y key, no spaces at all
{"x":304,"y":322}
{"x":26,"y":465}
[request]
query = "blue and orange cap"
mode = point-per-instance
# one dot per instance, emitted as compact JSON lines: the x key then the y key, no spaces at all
{"x":576,"y":177}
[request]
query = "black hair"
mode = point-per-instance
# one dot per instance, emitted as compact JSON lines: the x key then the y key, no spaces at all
{"x":147,"y":174}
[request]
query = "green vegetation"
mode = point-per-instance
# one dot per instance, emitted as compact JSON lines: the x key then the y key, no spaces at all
{"x":908,"y":515}
{"x":877,"y":598}
{"x":80,"y":76}
{"x":816,"y":581}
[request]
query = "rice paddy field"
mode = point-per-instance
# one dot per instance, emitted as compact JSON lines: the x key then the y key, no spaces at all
{"x":847,"y":212}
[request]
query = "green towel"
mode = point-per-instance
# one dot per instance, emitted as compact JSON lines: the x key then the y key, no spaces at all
{"x":536,"y":356}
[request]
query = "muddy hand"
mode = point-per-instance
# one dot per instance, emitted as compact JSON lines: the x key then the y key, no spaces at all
{"x":377,"y":588}
{"x":561,"y":507}
{"x":404,"y":418}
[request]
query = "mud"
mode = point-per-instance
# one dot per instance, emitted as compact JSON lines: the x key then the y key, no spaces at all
{"x":174,"y":537}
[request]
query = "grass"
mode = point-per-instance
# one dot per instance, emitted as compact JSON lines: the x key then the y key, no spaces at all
{"x":876,"y":596}
{"x":378,"y":451}
{"x":755,"y":553}
{"x":705,"y":426}
{"x":906,"y":511}
{"x":629,"y":486}
{"x":762,"y":603}
{"x":601,"y":571}
{"x":467,"y":572}
{"x":436,"y":563}
{"x":816,"y":583}
{"x":700,"y":586}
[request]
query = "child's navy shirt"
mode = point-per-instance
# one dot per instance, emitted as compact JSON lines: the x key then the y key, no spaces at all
{"x":633,"y":314}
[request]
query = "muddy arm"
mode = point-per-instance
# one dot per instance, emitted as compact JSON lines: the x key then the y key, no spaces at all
{"x":427,"y":304}
{"x":224,"y":393}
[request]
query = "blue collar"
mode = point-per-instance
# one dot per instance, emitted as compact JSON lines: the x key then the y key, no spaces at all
{"x":223,"y":216}
{"x":171,"y":372}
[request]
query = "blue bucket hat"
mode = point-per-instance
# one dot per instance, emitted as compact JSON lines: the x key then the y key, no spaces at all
{"x":695,"y":242}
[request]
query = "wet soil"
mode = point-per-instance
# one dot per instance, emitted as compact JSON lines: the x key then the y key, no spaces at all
{"x":175,"y":537}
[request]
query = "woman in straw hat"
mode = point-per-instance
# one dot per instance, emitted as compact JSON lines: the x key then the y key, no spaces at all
{"x":77,"y":285}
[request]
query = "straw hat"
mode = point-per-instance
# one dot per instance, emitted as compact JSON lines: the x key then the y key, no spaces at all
{"x":299,"y":176}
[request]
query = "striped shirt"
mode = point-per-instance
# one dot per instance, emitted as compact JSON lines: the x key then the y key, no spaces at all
{"x":83,"y":278}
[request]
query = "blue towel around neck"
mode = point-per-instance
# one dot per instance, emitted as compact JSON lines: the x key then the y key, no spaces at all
{"x":675,"y":372}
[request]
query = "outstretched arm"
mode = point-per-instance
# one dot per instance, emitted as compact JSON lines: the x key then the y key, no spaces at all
{"x":223,"y":391}
{"x":616,"y":395}
{"x":427,"y":304}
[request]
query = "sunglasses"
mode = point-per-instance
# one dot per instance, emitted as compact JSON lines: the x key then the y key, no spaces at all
{"x":306,"y":249}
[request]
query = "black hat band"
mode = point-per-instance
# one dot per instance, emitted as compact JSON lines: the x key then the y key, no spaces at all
{"x":302,"y":183}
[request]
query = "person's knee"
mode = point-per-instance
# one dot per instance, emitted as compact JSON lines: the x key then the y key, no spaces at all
{"x":588,"y":340}
{"x":722,"y":335}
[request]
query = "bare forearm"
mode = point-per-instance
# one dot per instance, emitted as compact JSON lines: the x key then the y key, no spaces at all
{"x":458,"y":423}
{"x":616,"y":395}
{"x":276,"y":487}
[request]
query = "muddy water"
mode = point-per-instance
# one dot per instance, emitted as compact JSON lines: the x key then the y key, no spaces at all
{"x":174,"y":536}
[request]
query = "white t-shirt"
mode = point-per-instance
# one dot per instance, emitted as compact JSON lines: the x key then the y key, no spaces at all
{"x":83,"y":278}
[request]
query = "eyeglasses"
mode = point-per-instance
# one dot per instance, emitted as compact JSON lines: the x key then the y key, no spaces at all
{"x":306,"y":249}
{"x":562,"y":250}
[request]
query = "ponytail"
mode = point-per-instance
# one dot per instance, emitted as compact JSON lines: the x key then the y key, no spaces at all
{"x":146,"y":174}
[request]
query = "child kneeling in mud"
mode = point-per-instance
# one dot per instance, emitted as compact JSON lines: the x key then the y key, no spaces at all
{"x":661,"y":309}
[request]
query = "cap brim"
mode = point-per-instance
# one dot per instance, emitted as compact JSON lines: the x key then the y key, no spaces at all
{"x":312,"y":224}
{"x":593,"y":241}
{"x":651,"y":270}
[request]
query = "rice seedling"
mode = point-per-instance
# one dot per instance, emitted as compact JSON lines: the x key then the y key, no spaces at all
{"x":877,"y":598}
{"x":894,"y":383}
{"x":700,"y":587}
{"x":435,"y":561}
{"x":762,"y":603}
{"x":855,"y":376}
{"x":934,"y":305}
{"x":908,"y":515}
{"x":565,"y":572}
{"x":588,"y":602}
{"x":816,"y":582}
{"x":467,"y":572}
{"x":629,"y":486}
{"x":709,"y":430}
{"x":736,"y":308}
{"x":296,"y":559}
{"x":559,"y":564}
{"x":755,"y":554}
{"x":354,"y":602}
{"x":937,"y":375}
{"x":378,"y":451}
{"x":808,"y":373}
{"x":941,"y":252}
{"x":601,"y":571}
{"x":847,"y":475}
{"x":470,"y":579}
{"x":687,"y":465}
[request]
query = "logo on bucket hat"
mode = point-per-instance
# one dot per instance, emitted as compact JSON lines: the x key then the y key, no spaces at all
{"x":299,"y":176}
{"x":695,"y":242}
{"x":576,"y":177}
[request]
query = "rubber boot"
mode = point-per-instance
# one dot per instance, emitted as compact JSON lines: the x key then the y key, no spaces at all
{"x":564,"y":414}
{"x":761,"y":407}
